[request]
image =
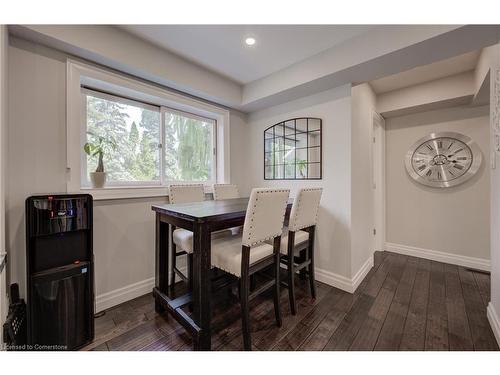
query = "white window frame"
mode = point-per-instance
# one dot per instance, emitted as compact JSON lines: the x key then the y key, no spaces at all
{"x":80,"y":74}
{"x":119,"y":99}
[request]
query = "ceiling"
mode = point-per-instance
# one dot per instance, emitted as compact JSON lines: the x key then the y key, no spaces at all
{"x":426,"y":73}
{"x":221,"y":48}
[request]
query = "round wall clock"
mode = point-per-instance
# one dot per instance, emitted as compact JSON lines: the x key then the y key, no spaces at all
{"x":443,"y":159}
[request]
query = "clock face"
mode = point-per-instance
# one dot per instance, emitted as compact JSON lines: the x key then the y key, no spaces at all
{"x":443,"y":159}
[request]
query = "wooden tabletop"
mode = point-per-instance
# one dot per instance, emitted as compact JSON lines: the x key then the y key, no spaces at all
{"x":207,"y":209}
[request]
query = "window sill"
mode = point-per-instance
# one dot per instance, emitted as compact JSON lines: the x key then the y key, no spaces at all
{"x":128,"y":192}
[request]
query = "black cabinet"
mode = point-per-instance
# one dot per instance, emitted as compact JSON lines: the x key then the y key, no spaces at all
{"x":60,"y":271}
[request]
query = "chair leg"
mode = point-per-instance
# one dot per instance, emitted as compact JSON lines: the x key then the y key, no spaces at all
{"x":174,"y":265}
{"x":303,"y":271}
{"x":312,"y":279}
{"x":190,"y":271}
{"x":291,"y":273}
{"x":252,"y":282}
{"x":190,"y":277}
{"x":291,"y":286}
{"x":245,"y":313}
{"x":277,"y":309}
{"x":244,"y":297}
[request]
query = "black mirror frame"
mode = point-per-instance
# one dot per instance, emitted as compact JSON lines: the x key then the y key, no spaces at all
{"x":294,"y":134}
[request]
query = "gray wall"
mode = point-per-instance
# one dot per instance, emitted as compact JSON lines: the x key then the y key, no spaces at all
{"x":333,"y":256}
{"x":453,"y":220}
{"x":494,"y":307}
{"x":362,"y":206}
{"x":124,"y":229}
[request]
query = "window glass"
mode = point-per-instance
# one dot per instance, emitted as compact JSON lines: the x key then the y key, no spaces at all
{"x":129,"y":133}
{"x":189,"y":147}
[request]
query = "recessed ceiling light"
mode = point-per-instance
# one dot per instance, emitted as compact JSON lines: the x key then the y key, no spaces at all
{"x":250,"y":41}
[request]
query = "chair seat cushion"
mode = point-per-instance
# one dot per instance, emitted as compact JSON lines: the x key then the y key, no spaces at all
{"x":183,"y":238}
{"x":227,"y":252}
{"x":300,"y":237}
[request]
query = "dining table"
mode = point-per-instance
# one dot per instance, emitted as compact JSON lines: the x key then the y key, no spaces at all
{"x":201,"y":218}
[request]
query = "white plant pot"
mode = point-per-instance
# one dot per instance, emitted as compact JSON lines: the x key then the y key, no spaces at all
{"x":98,"y":179}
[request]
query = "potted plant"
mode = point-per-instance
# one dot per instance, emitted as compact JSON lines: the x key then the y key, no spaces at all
{"x":302,"y":165}
{"x":97,"y":148}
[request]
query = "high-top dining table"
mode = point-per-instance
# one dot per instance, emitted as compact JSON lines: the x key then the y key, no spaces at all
{"x":202,"y":218}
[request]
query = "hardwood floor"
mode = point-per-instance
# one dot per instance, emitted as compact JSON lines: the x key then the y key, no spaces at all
{"x":404,"y":303}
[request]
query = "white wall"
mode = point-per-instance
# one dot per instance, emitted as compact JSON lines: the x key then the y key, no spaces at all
{"x":239,"y":149}
{"x":362,"y":206}
{"x":36,"y":139}
{"x":494,"y":307}
{"x":113,"y":47}
{"x":481,"y":75}
{"x":123,"y":229}
{"x":344,"y":246}
{"x":3,"y":154}
{"x":444,"y":92}
{"x":333,"y":245}
{"x":453,"y":220}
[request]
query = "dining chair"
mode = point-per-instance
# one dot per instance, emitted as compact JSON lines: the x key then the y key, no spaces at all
{"x":182,"y":238}
{"x":298,"y":238}
{"x":244,"y":255}
{"x":225,"y":191}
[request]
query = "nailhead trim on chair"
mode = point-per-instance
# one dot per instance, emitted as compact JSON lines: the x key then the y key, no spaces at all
{"x":297,"y":210}
{"x":251,"y":226}
{"x":171,"y":194}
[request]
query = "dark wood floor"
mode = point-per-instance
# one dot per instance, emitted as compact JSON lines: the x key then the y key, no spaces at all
{"x":404,"y":303}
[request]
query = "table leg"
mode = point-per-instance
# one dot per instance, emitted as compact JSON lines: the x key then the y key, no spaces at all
{"x":161,"y":259}
{"x":201,"y":284}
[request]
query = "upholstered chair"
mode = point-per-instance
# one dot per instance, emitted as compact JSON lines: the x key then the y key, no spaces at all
{"x":297,"y":241}
{"x":225,"y":191}
{"x":244,"y":255}
{"x":182,"y":239}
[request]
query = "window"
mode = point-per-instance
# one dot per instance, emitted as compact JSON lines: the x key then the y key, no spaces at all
{"x":189,"y":147}
{"x":292,"y":150}
{"x":148,"y":145}
{"x":161,"y":136}
{"x":134,"y":130}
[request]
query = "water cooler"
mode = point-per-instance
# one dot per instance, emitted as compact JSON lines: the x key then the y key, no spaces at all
{"x":60,"y":271}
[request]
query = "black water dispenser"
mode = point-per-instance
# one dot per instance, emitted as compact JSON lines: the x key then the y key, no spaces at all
{"x":60,"y":271}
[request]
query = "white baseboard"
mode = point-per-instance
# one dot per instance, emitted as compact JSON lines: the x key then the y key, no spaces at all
{"x":342,"y":282}
{"x":494,"y":321}
{"x":115,"y":297}
{"x":361,"y":274}
{"x":333,"y":279}
{"x":440,"y":256}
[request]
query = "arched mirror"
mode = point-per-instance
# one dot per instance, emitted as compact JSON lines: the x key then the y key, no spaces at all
{"x":292,"y":150}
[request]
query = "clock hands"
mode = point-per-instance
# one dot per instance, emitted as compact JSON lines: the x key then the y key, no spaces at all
{"x":437,"y":161}
{"x":442,"y":159}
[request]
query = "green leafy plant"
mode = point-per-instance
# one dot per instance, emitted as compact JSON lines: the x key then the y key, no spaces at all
{"x":98,"y":148}
{"x":302,"y":164}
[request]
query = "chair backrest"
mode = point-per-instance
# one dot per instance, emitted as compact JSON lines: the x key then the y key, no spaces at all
{"x":225,"y":191}
{"x":265,"y":215}
{"x":305,"y":209}
{"x":186,"y":193}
